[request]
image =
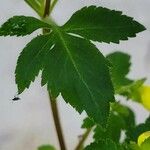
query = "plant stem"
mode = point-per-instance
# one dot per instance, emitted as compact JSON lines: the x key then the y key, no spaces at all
{"x":84,"y":137}
{"x":34,"y":6}
{"x":47,"y":8}
{"x":53,"y":5}
{"x":53,"y":101}
{"x":54,"y":108}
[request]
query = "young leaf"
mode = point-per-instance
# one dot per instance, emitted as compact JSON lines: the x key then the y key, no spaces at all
{"x":21,"y":26}
{"x":76,"y":69}
{"x":102,"y":25}
{"x":30,"y":61}
{"x":102,"y":145}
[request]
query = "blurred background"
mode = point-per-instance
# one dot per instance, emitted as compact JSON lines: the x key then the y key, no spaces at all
{"x":28,"y":123}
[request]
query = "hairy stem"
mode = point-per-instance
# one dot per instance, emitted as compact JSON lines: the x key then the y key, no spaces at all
{"x":84,"y":137}
{"x":54,"y":108}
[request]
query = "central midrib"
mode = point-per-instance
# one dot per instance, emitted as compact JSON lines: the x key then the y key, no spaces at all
{"x":74,"y":64}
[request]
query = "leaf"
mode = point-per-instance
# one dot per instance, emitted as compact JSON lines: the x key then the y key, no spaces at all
{"x":126,"y":113}
{"x":102,"y":25}
{"x":120,"y":68}
{"x":88,"y":123}
{"x":37,"y":5}
{"x":76,"y":69}
{"x":21,"y":26}
{"x":102,"y":145}
{"x":134,"y":132}
{"x":113,"y":130}
{"x":132,"y":91}
{"x":46,"y":147}
{"x":119,"y":119}
{"x":133,"y":146}
{"x":30,"y":61}
{"x":146,"y":144}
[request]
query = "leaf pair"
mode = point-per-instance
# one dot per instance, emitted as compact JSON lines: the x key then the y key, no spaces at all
{"x":70,"y":63}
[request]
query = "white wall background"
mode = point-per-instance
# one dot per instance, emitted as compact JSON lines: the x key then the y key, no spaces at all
{"x":26,"y":124}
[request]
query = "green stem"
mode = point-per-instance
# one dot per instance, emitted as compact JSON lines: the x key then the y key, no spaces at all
{"x":47,"y":8}
{"x":53,"y":5}
{"x":84,"y":137}
{"x":55,"y":113}
{"x":34,"y":6}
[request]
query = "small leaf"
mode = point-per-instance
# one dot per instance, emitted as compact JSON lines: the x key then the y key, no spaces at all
{"x":76,"y":69}
{"x":46,"y":147}
{"x":120,"y":68}
{"x":102,"y":145}
{"x":102,"y":25}
{"x":21,"y":26}
{"x":134,"y":132}
{"x":30,"y":61}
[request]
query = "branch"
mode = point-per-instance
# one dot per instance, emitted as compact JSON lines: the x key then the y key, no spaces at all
{"x":84,"y":137}
{"x":57,"y":122}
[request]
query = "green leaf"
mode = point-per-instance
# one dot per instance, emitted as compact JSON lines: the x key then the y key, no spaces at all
{"x":88,"y":123}
{"x":102,"y":145}
{"x":46,"y":147}
{"x":132,"y":91}
{"x":119,"y":119}
{"x":37,"y":5}
{"x":30,"y":61}
{"x":126,"y":113}
{"x":135,"y":132}
{"x":133,"y":146}
{"x":113,"y":129}
{"x":120,"y":68}
{"x":21,"y":26}
{"x":102,"y":25}
{"x":76,"y":69}
{"x":146,"y":144}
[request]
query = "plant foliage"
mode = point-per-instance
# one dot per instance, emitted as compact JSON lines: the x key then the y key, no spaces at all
{"x":73,"y":66}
